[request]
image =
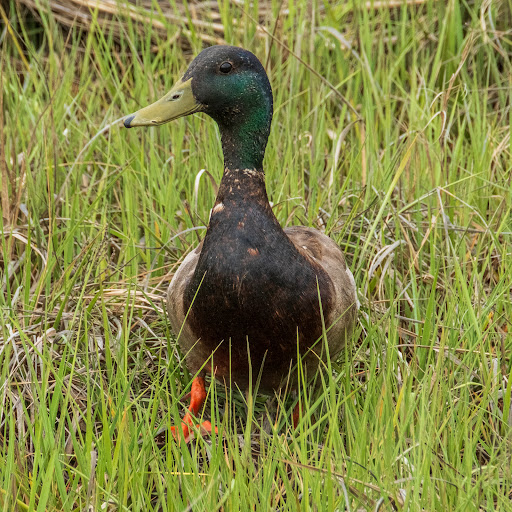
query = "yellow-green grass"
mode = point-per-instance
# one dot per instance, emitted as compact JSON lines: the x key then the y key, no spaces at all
{"x":413,"y":180}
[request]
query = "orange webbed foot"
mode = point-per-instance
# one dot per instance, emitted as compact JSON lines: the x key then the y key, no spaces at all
{"x":197,"y":398}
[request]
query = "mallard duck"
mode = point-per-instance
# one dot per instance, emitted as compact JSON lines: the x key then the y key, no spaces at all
{"x":246,"y":300}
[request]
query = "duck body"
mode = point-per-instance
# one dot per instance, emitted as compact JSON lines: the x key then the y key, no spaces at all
{"x":251,"y":297}
{"x":252,"y":290}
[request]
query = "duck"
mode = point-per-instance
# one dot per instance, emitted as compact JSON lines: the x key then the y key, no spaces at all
{"x":252,"y":297}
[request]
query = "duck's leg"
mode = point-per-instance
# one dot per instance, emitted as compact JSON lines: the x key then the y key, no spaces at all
{"x":197,"y":398}
{"x":296,"y":415}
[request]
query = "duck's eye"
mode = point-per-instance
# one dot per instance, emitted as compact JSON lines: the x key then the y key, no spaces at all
{"x":225,"y":67}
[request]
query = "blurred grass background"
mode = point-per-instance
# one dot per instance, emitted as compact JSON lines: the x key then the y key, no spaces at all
{"x":392,"y":132}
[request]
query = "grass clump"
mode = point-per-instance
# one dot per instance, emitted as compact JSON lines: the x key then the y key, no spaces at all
{"x":401,"y":152}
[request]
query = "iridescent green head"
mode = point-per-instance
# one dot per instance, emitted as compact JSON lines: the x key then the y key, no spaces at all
{"x":230,"y":85}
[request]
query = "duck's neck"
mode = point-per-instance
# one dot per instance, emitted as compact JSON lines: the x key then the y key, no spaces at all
{"x":244,"y":134}
{"x":241,"y":190}
{"x":242,"y":150}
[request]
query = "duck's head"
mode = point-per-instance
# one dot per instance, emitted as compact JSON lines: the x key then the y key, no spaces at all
{"x":230,"y":85}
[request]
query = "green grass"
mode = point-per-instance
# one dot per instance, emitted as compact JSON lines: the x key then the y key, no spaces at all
{"x":415,"y":187}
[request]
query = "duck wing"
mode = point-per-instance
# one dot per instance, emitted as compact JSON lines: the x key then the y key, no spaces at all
{"x":318,"y":247}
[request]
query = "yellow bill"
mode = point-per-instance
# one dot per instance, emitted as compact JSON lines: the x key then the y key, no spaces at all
{"x":178,"y":102}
